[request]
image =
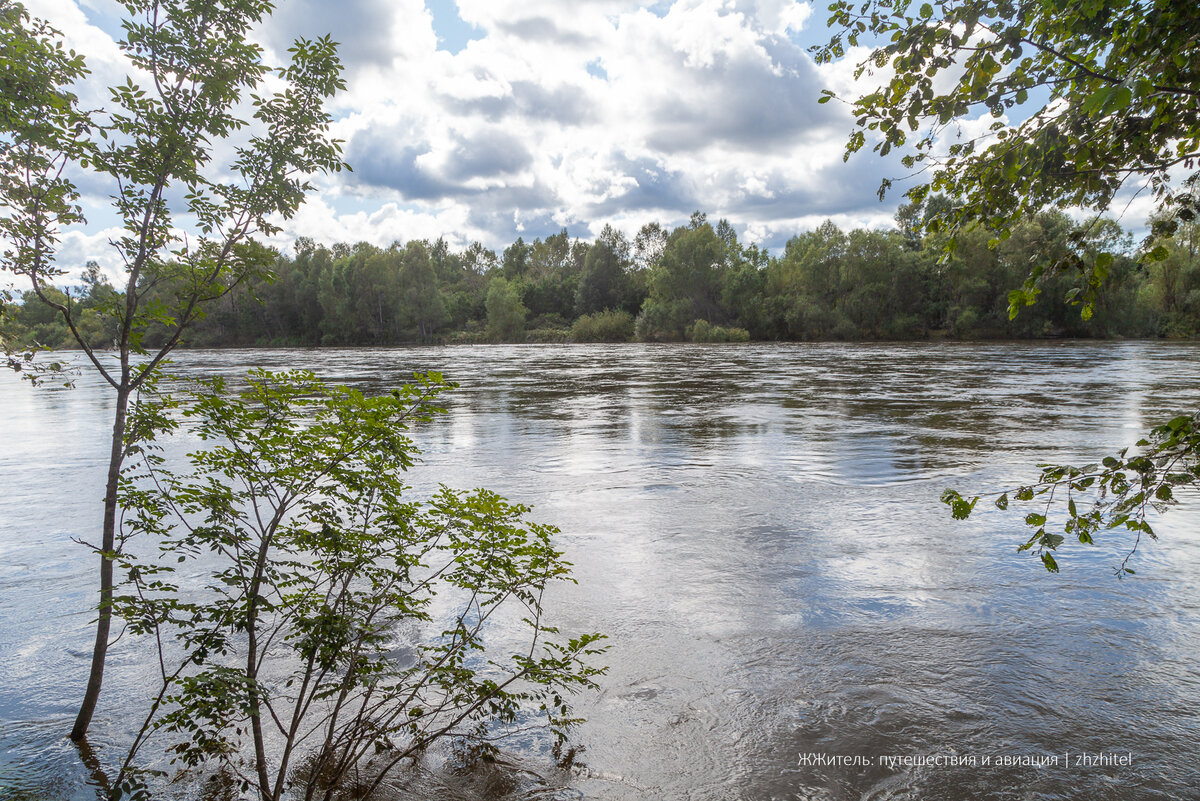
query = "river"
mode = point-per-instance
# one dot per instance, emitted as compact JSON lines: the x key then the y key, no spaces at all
{"x":758,"y":530}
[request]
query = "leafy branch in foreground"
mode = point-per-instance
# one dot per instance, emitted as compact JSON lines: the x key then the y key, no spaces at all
{"x":342,"y":627}
{"x":1119,"y":492}
{"x":39,"y":126}
{"x":1010,"y":107}
{"x":1064,"y":103}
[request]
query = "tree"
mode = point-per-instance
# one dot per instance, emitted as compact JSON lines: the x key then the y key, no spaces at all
{"x":726,"y":233}
{"x":1101,"y":95}
{"x":156,"y":142}
{"x":742,"y":289}
{"x":912,"y":218}
{"x":282,"y":669}
{"x":422,"y":305}
{"x":603,"y":284}
{"x":690,"y":270}
{"x":505,"y":312}
{"x":802,"y":287}
{"x":516,"y":259}
{"x":478,"y":259}
{"x":648,"y":246}
{"x":551,"y":280}
{"x":375,"y":294}
{"x":1174,"y":281}
{"x":1118,"y":492}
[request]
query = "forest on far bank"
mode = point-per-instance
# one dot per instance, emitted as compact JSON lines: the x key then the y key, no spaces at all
{"x":696,"y":283}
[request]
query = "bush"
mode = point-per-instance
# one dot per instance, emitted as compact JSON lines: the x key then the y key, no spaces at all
{"x":809,"y":320}
{"x":904,"y":326}
{"x":965,"y":322}
{"x":550,"y":320}
{"x":467,"y":338}
{"x":703,"y":331}
{"x":662,"y":321}
{"x":844,"y":328}
{"x":505,"y":312}
{"x":548,"y":336}
{"x":317,"y":567}
{"x":610,"y":325}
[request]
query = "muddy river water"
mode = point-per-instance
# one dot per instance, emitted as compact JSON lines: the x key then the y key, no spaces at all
{"x":792,"y":613}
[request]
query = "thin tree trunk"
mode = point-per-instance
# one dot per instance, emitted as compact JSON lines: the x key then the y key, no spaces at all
{"x":107,"y":545}
{"x":266,"y":791}
{"x":260,"y":750}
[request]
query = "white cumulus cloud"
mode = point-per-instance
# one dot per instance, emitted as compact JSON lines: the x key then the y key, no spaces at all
{"x":576,"y":114}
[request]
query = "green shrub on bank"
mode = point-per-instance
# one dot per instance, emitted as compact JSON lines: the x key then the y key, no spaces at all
{"x":545,"y":336}
{"x":466,"y":338}
{"x":663,"y":321}
{"x":704,"y":331}
{"x":610,"y":325}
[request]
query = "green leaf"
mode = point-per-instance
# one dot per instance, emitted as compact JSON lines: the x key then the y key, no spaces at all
{"x":1096,"y":100}
{"x":1049,"y":562}
{"x":961,"y":508}
{"x":1180,"y":422}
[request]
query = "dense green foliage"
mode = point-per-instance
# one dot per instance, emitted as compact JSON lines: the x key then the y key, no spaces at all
{"x":612,"y":325}
{"x":39,"y":125}
{"x":340,"y":626}
{"x":827,"y":284}
{"x":505,"y":311}
{"x":1077,"y":100}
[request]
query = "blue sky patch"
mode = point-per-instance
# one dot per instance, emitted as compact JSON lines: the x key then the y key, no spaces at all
{"x":453,"y":34}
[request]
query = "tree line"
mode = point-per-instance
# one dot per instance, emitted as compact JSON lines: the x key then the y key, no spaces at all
{"x":695,"y":283}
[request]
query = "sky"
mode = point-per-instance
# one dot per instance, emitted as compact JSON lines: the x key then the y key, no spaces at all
{"x":485,"y":120}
